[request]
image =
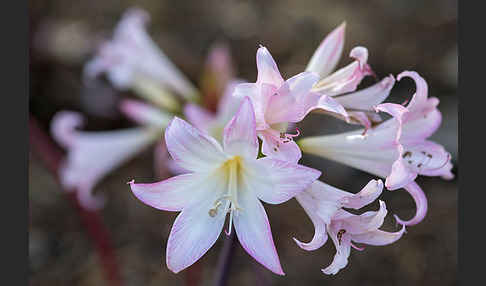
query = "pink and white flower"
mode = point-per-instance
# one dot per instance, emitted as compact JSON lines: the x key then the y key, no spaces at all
{"x":222,"y":179}
{"x":396,"y":149}
{"x":278,"y":102}
{"x":324,"y":205}
{"x":359,"y":105}
{"x":93,"y":154}
{"x":131,"y":59}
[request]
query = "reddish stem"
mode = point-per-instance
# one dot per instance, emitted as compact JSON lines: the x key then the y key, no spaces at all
{"x":51,"y":156}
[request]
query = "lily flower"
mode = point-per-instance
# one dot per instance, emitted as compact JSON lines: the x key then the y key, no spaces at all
{"x":396,"y":149}
{"x":222,"y":179}
{"x":324,"y":205}
{"x":93,"y":154}
{"x":341,"y":84}
{"x":131,"y":59}
{"x":278,"y":102}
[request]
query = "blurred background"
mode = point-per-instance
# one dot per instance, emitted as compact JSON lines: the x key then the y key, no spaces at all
{"x":400,"y":35}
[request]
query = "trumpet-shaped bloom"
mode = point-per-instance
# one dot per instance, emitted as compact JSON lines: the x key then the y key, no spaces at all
{"x":396,"y":149}
{"x":131,"y":58}
{"x":323,"y":204}
{"x":359,"y":105}
{"x":92,"y":155}
{"x":222,"y":179}
{"x":278,"y":102}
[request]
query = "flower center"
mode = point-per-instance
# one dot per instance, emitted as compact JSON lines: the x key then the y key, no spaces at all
{"x":232,"y":169}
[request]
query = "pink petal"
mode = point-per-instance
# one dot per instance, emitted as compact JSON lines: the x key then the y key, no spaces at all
{"x":310,"y":206}
{"x":400,"y":175}
{"x":348,"y":78}
{"x":172,"y":194}
{"x":276,"y":181}
{"x":378,"y":237}
{"x":194,"y":230}
{"x":366,"y":196}
{"x":267,"y":68}
{"x":329,"y":104}
{"x":275,"y":147}
{"x":145,"y":114}
{"x":397,"y":111}
{"x":368,"y":98}
{"x":192,"y":149}
{"x":290,"y":103}
{"x":420,"y":96}
{"x":420,"y":201}
{"x":343,"y":249}
{"x":425,"y":157}
{"x":260,"y":95}
{"x":198,"y":116}
{"x":240,"y":133}
{"x":365,"y":222}
{"x":92,"y":155}
{"x":254,"y":233}
{"x":327,"y":55}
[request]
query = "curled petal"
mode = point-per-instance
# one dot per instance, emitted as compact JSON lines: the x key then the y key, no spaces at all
{"x":348,"y":78}
{"x":240,"y":133}
{"x":400,"y":175}
{"x":378,"y":237}
{"x":254,"y":233}
{"x":145,"y":114}
{"x":343,"y":249}
{"x":327,"y":55}
{"x":420,"y":201}
{"x":320,"y":235}
{"x":420,"y":96}
{"x":367,"y":195}
{"x":397,"y":111}
{"x":365,"y":222}
{"x":186,"y":143}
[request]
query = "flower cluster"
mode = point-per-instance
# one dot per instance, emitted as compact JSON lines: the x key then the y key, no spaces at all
{"x":226,"y":161}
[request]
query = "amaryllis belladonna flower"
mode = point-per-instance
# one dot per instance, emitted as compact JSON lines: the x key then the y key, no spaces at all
{"x":278,"y":102}
{"x":396,"y":149}
{"x":93,"y":154}
{"x":340,"y":84}
{"x":222,"y":179}
{"x":132,"y":60}
{"x":324,"y":204}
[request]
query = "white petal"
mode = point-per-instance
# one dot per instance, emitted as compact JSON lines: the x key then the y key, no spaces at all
{"x":172,"y":194}
{"x":192,"y":149}
{"x":276,"y":181}
{"x":194,"y":230}
{"x":254,"y":233}
{"x":327,"y":55}
{"x":240,"y":136}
